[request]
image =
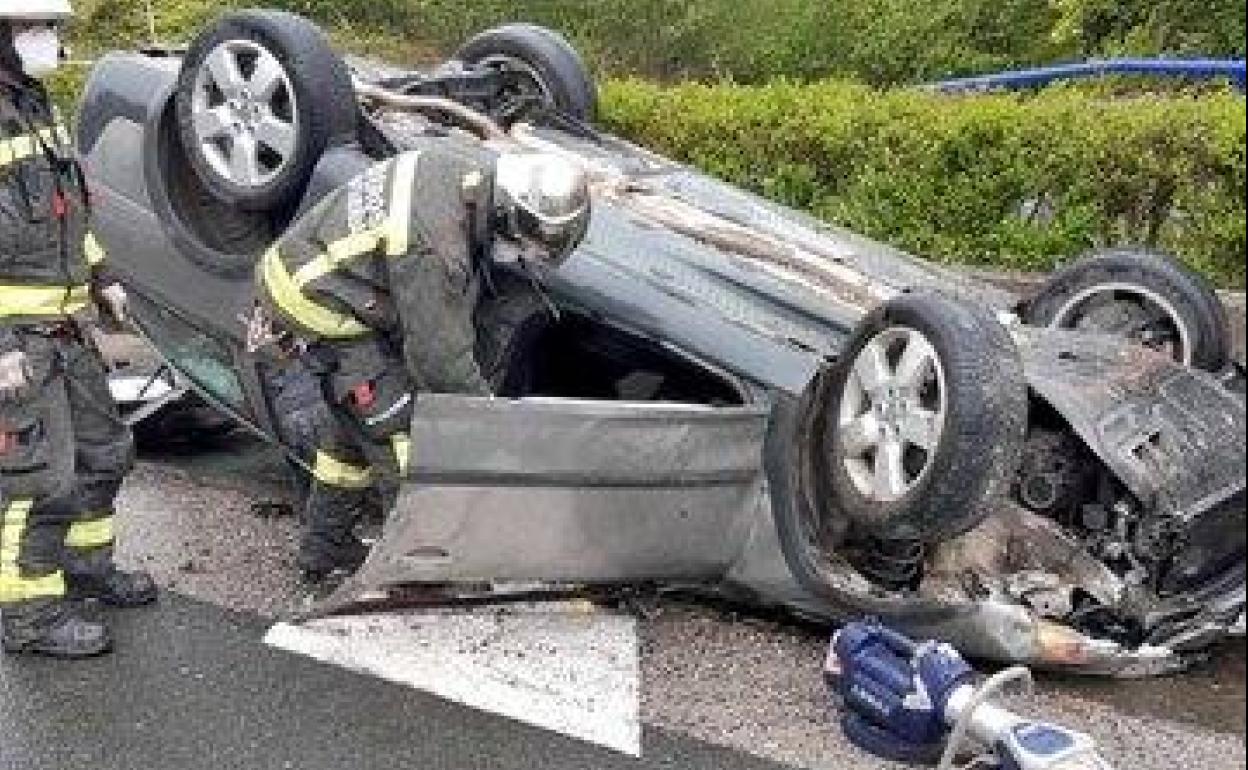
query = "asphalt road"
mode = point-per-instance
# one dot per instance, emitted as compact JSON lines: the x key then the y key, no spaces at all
{"x":709,"y":675}
{"x":194,"y":688}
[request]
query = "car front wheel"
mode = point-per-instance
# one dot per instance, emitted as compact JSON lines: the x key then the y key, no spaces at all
{"x":925,"y":421}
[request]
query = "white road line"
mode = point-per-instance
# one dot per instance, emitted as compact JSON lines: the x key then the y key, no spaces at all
{"x":557,"y":667}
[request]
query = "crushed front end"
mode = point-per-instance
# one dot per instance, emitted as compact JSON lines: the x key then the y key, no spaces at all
{"x":1125,"y":538}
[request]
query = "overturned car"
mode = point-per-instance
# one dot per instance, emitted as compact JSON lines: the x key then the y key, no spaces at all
{"x":719,"y":394}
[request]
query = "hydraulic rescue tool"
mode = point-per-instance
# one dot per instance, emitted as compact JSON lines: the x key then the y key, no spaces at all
{"x":914,"y":702}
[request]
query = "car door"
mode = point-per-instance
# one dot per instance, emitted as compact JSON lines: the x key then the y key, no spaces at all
{"x":566,"y":490}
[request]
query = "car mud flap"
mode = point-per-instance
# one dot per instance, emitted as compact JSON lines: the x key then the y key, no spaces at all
{"x":569,"y":492}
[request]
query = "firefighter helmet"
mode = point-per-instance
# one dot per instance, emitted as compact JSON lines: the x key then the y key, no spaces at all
{"x":545,"y":198}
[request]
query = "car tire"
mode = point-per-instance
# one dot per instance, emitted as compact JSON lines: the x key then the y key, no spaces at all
{"x":260,"y":97}
{"x":924,"y":421}
{"x":1147,"y":296}
{"x":556,"y":69}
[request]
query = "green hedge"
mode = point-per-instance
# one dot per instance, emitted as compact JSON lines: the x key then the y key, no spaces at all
{"x":1002,"y":181}
{"x":880,"y":42}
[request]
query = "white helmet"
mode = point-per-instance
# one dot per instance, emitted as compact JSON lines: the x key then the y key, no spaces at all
{"x":36,"y":10}
{"x":545,"y":198}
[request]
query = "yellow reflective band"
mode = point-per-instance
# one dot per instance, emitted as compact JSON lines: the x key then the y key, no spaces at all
{"x":15,"y":589}
{"x":402,"y":444}
{"x":317,"y":268}
{"x":93,"y":251}
{"x":12,"y":526}
{"x":394,"y":233}
{"x":399,"y":227}
{"x":286,"y":294}
{"x":354,"y":245}
{"x":22,"y":147}
{"x":90,"y":534}
{"x":340,"y":251}
{"x":42,"y":301}
{"x":333,"y":472}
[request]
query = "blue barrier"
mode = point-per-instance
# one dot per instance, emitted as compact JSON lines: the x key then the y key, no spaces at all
{"x":1189,"y":69}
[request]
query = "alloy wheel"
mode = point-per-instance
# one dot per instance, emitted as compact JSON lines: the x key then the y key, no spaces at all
{"x":892,"y":414}
{"x":244,"y":113}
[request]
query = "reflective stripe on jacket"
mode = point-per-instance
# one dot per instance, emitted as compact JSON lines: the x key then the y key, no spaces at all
{"x":322,"y":277}
{"x":389,"y":253}
{"x":48,"y":257}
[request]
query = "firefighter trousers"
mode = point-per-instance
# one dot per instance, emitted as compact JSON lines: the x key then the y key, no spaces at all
{"x":59,"y":482}
{"x":362,"y":447}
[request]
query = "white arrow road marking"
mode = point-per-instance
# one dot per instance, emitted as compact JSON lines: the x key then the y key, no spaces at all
{"x":556,"y":666}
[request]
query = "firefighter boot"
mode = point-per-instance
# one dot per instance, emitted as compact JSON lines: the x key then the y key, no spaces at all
{"x":53,"y":629}
{"x":93,"y":576}
{"x":116,"y":588}
{"x":323,"y":558}
{"x":330,"y":549}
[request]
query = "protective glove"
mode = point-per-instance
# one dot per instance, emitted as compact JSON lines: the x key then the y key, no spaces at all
{"x":115,"y":303}
{"x":14,"y":377}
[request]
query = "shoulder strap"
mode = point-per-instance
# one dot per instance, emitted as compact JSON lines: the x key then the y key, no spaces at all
{"x":40,"y":122}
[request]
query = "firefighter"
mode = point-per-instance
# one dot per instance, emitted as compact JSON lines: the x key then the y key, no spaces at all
{"x":63,"y":447}
{"x":376,"y":288}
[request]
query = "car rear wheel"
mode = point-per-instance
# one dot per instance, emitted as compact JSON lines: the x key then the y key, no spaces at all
{"x":1148,"y":298}
{"x":542,"y":66}
{"x":925,"y":421}
{"x":260,"y":97}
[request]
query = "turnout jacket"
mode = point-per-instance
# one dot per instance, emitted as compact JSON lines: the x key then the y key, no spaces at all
{"x":390,"y":255}
{"x":48,"y":257}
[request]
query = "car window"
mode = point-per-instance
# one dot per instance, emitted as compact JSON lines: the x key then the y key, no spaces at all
{"x":205,"y":360}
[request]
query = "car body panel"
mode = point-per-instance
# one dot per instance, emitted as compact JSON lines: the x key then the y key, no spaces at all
{"x":573,"y":491}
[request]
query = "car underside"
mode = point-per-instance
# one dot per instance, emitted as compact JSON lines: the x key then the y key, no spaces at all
{"x":717,"y":394}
